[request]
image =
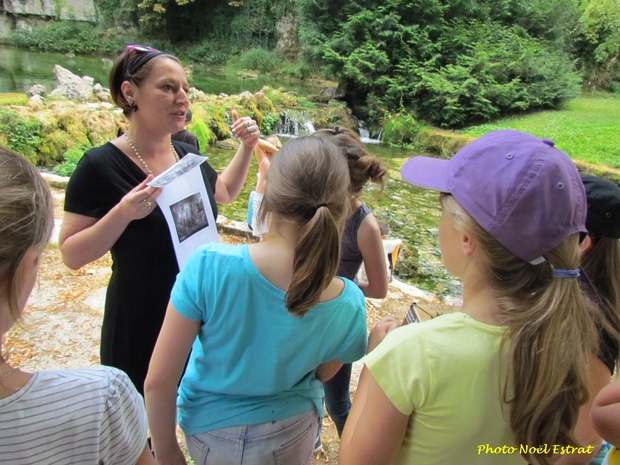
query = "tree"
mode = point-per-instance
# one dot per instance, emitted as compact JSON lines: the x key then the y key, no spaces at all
{"x":451,"y":62}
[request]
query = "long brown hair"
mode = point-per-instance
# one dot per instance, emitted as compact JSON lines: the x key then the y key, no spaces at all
{"x":308,"y":185}
{"x":26,"y":221}
{"x":550,"y":332}
{"x":363,"y":166}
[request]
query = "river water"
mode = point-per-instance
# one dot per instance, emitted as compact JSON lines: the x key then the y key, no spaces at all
{"x":412,"y":213}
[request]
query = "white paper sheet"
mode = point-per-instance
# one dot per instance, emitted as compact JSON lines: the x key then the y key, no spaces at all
{"x":186,"y":206}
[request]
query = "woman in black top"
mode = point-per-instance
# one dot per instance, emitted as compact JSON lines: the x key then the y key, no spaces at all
{"x":109,"y":207}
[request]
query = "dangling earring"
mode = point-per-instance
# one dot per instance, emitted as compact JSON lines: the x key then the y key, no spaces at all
{"x":133,"y":106}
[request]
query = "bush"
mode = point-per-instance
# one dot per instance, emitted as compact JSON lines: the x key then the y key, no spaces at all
{"x":200,"y":129}
{"x":22,"y":134}
{"x":72,"y":36}
{"x":72,"y":157}
{"x":206,"y":53}
{"x":260,"y":60}
{"x":400,"y":129}
{"x":452,"y":62}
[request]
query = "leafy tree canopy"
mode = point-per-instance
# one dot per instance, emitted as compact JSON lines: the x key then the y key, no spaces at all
{"x":451,"y":62}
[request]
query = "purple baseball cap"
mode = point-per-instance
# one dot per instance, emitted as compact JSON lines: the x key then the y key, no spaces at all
{"x":523,"y":191}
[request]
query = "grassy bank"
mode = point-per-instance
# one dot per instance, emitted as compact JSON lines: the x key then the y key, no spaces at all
{"x":587,"y":128}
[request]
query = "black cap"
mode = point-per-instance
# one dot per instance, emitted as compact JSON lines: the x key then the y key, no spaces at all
{"x":603,"y":199}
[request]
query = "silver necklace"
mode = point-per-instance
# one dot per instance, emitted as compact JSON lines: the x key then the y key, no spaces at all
{"x":146,"y":167}
{"x":7,"y":374}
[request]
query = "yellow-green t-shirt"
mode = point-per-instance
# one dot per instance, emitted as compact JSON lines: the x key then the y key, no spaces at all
{"x":448,"y":374}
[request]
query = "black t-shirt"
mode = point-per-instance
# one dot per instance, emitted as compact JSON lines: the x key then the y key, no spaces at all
{"x":144,"y":264}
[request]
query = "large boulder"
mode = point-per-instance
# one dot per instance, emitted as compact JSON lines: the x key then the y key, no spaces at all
{"x":72,"y":86}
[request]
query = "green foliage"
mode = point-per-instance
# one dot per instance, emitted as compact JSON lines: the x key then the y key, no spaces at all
{"x":22,"y":134}
{"x":13,"y":99}
{"x":260,"y":60}
{"x":400,"y":129}
{"x":72,"y":157}
{"x":270,"y":121}
{"x":117,"y":13}
{"x":200,"y":129}
{"x":304,"y":102}
{"x":451,"y":62}
{"x":72,"y":36}
{"x":601,"y":28}
{"x":206,"y":52}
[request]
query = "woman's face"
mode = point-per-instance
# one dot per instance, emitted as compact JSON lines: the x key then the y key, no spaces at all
{"x":162,"y":98}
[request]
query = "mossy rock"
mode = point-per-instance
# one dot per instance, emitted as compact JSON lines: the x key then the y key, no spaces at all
{"x":444,"y":143}
{"x":408,"y":264}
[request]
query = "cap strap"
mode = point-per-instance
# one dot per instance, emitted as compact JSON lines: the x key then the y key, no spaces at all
{"x":566,"y":274}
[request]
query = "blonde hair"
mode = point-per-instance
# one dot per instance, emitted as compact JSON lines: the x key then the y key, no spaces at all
{"x":363,"y":166}
{"x":307,"y":186}
{"x":550,"y":332}
{"x":26,"y":221}
{"x":275,"y":140}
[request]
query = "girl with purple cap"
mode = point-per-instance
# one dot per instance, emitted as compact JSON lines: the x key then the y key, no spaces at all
{"x":500,"y":382}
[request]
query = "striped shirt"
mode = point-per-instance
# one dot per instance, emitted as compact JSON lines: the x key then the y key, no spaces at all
{"x":86,"y":416}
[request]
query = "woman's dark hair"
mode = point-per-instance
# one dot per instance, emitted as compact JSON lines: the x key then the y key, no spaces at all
{"x":128,"y":67}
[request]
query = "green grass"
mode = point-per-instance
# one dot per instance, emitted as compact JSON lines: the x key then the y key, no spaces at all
{"x":587,"y":128}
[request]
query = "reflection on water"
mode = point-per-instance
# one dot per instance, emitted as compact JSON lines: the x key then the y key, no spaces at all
{"x":20,"y":69}
{"x":412,"y":213}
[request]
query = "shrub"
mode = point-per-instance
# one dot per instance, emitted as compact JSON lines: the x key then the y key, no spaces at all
{"x":72,"y":157}
{"x":400,"y":129}
{"x":22,"y":134}
{"x":73,"y":36}
{"x":207,"y":53}
{"x":200,"y":129}
{"x":260,"y":60}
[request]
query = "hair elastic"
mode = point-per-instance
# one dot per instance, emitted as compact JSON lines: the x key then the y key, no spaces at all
{"x":319,"y":206}
{"x":566,"y":274}
{"x":337,"y":131}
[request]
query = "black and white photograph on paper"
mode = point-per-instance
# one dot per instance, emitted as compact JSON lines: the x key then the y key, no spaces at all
{"x":186,"y":205}
{"x":189,"y":216}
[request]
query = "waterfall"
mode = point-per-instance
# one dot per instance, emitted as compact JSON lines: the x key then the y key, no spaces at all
{"x":365,"y":134}
{"x":294,"y":124}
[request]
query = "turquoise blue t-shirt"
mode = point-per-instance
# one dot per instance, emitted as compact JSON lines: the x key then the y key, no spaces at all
{"x":252,"y":361}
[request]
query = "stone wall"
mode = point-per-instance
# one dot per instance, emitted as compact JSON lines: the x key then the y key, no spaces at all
{"x":25,"y":14}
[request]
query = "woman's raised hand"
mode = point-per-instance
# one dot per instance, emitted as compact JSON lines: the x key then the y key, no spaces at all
{"x":141,"y":200}
{"x":246,"y":129}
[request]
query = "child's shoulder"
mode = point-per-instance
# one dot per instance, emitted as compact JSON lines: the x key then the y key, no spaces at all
{"x":215,"y":254}
{"x":220,"y":248}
